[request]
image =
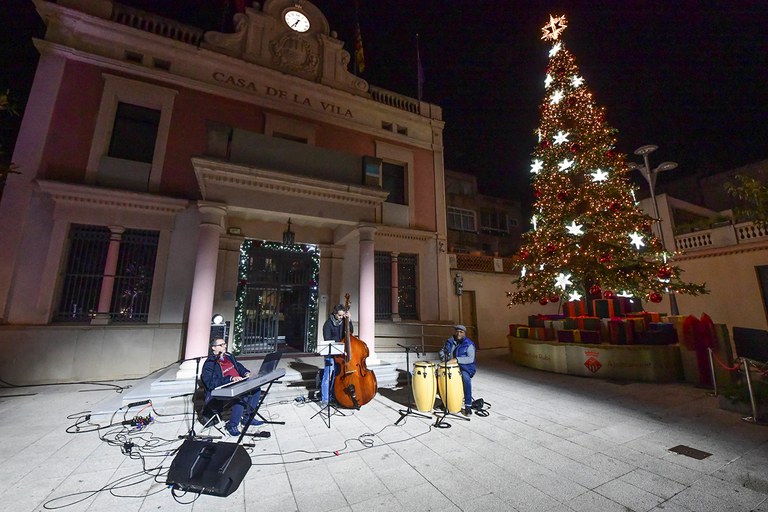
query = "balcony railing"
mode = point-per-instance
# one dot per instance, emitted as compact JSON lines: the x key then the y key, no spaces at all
{"x":721,"y":236}
{"x":156,"y":24}
{"x":478,"y":263}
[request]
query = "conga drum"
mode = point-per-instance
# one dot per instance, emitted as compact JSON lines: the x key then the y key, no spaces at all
{"x":424,"y":385}
{"x":450,"y":386}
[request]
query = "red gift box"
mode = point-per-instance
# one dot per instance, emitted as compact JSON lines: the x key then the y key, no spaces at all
{"x":569,"y":336}
{"x":575,"y":308}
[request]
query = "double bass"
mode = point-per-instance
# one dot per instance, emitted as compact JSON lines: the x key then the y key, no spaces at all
{"x":355,"y":385}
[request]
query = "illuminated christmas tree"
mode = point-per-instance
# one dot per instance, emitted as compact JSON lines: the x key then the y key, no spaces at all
{"x":589,"y":238}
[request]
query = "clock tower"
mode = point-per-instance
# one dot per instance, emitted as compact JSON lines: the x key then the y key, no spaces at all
{"x":291,"y":36}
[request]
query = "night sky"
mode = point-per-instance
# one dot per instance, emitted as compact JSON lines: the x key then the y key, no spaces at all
{"x":688,"y":76}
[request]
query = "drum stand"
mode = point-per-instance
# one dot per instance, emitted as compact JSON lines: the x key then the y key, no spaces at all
{"x":441,"y":423}
{"x":409,"y":410}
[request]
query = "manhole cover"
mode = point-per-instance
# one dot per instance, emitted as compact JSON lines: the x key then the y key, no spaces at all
{"x":690,"y":452}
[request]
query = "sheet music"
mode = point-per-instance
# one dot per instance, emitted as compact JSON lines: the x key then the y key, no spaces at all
{"x":336,"y":349}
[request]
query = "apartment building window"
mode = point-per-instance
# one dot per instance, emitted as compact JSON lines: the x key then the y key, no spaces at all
{"x":494,"y":221}
{"x":393,"y":181}
{"x":461,"y":219}
{"x":407,"y":286}
{"x":134,"y":133}
{"x":86,"y":270}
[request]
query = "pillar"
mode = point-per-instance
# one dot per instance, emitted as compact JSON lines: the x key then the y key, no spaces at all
{"x":367,"y":314}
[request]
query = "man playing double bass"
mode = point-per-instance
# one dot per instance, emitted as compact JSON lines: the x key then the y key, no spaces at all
{"x":461,"y":349}
{"x":333,"y":330}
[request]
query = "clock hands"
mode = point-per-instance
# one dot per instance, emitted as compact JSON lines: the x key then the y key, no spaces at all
{"x":295,"y":23}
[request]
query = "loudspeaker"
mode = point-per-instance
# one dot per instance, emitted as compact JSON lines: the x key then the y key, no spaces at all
{"x":209,"y":468}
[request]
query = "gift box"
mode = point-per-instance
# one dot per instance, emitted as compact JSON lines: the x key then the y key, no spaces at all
{"x":588,"y":323}
{"x":621,"y":331}
{"x":575,"y":308}
{"x":522,"y":331}
{"x":569,"y":336}
{"x":570,"y":323}
{"x":555,"y":325}
{"x":591,"y":337}
{"x":536,"y":321}
{"x":513,"y":329}
{"x":659,"y":333}
{"x":541,"y":334}
{"x":606,"y":308}
{"x":630,"y":305}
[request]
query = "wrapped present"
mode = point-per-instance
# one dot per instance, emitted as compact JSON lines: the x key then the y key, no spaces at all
{"x":588,"y":336}
{"x":541,"y":334}
{"x":621,"y":331}
{"x":513,"y":329}
{"x":677,"y":321}
{"x":575,"y":308}
{"x":659,"y":333}
{"x":606,"y":308}
{"x":588,"y":323}
{"x":569,"y":336}
{"x":570,"y":323}
{"x":522,"y":331}
{"x":536,"y":321}
{"x":555,"y":325}
{"x":638,"y":323}
{"x":630,"y":305}
{"x":648,"y":317}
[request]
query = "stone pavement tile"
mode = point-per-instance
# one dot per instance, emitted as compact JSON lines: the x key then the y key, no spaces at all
{"x":422,"y":498}
{"x":698,"y":501}
{"x":380,"y":503}
{"x":748,"y":471}
{"x":730,"y":492}
{"x":598,"y":461}
{"x":484,"y":503}
{"x":30,"y":493}
{"x":525,"y":497}
{"x":668,"y":506}
{"x":569,"y":468}
{"x":315,"y":489}
{"x":629,"y":495}
{"x":465,"y":488}
{"x":558,"y":487}
{"x":401,"y":478}
{"x":653,"y":483}
{"x":623,"y":432}
{"x":272,"y":503}
{"x":591,"y":501}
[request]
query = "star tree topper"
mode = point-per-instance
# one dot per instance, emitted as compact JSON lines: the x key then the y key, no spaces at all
{"x":554,"y":28}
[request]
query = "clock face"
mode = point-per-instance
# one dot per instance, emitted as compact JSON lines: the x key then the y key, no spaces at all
{"x":297,"y":21}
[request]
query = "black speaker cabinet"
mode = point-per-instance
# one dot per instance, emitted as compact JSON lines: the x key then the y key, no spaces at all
{"x":209,"y":468}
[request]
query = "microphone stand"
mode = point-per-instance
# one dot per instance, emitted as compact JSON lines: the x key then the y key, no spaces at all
{"x":409,"y":410}
{"x":191,"y":434}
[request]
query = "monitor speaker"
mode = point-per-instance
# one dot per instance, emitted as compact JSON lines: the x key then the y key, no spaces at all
{"x":208,"y":468}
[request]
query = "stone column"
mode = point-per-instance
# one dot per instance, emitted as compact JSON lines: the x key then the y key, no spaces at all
{"x":108,"y":282}
{"x":367,"y":314}
{"x":395,"y":290}
{"x":204,"y":284}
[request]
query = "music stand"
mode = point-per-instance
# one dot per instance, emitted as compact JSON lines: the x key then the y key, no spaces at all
{"x":409,"y":410}
{"x":441,"y":423}
{"x":328,"y":349}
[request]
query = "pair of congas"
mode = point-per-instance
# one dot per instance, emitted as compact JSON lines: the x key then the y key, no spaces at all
{"x":429,"y":379}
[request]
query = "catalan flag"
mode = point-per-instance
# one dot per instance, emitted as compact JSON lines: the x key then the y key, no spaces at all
{"x":359,"y":55}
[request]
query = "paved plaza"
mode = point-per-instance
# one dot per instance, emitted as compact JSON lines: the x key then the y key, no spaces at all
{"x":549,"y":443}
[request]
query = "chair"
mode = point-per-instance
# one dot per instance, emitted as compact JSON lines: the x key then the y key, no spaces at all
{"x":209,"y":414}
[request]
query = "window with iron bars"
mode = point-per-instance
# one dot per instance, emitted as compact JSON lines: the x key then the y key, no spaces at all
{"x":84,"y":274}
{"x":407,"y":285}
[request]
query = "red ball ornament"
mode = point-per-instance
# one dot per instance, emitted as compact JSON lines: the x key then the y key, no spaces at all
{"x":544,"y":144}
{"x":523,"y":254}
{"x":571,"y":101}
{"x":595,"y":290}
{"x":615,"y":207}
{"x":664,"y":272}
{"x":554,"y":298}
{"x":561,"y":71}
{"x":562,"y":196}
{"x":543,"y":301}
{"x":610,"y":153}
{"x":575,"y":147}
{"x":551,"y":247}
{"x":654,"y":297}
{"x":608,"y":294}
{"x":537,"y":193}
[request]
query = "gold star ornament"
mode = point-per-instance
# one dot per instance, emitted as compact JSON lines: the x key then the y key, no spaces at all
{"x":554,"y":28}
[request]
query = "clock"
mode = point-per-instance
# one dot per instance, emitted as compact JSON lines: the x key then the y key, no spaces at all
{"x":296,"y":20}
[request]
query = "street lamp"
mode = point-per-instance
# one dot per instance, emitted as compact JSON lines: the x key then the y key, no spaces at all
{"x":650,"y":176}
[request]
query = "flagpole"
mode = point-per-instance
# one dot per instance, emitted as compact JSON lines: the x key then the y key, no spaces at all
{"x":419,"y":73}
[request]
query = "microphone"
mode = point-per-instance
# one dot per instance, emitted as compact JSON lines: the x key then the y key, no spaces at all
{"x":136,"y":404}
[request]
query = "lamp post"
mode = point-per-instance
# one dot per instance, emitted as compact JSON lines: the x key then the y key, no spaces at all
{"x":650,"y":176}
